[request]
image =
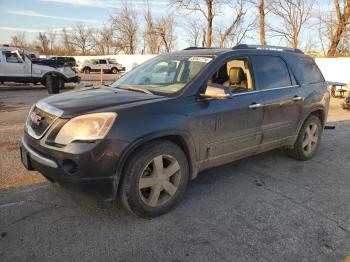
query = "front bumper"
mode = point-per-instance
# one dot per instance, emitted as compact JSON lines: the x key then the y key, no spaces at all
{"x":74,"y":79}
{"x":90,"y":170}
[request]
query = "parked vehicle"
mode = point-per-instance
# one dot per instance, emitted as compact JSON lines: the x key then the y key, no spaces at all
{"x":346,"y":103}
{"x":144,"y":137}
{"x":107,"y":65}
{"x":17,"y":66}
{"x":63,"y":60}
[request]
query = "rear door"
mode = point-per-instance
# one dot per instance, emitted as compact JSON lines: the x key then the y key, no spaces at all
{"x":282,"y":96}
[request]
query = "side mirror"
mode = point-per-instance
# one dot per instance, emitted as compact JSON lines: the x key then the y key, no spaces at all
{"x":215,"y":91}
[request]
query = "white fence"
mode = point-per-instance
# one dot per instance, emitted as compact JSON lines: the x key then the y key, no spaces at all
{"x":333,"y":69}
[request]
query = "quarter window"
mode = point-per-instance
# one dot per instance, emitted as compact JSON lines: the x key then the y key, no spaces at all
{"x":271,"y":72}
{"x":307,"y":71}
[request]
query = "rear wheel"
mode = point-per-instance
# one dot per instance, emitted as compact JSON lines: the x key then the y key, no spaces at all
{"x":155,"y":179}
{"x":114,"y":70}
{"x":86,"y":70}
{"x":308,"y":139}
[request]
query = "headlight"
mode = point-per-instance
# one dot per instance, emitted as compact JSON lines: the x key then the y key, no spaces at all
{"x":86,"y":128}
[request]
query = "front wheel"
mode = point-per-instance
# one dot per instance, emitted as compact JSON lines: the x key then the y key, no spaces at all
{"x":308,"y":139}
{"x":155,"y":179}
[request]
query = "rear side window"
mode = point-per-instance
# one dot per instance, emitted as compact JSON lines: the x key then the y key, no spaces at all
{"x":271,"y":71}
{"x":307,"y":71}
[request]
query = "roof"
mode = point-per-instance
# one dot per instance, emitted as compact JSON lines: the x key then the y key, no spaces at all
{"x":240,"y":47}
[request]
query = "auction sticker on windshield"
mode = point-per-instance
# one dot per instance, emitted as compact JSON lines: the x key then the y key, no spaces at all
{"x":200,"y":59}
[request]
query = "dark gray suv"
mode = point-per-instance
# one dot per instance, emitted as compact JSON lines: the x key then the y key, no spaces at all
{"x":144,"y":137}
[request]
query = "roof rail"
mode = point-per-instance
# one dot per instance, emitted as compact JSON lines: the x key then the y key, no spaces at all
{"x":268,"y":47}
{"x":198,"y":47}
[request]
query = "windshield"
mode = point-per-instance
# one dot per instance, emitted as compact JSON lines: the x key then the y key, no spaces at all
{"x":164,"y":74}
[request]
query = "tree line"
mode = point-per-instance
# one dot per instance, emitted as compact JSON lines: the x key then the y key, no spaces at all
{"x":305,"y":24}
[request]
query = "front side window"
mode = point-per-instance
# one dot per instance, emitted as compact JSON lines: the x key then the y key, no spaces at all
{"x":271,"y":71}
{"x":12,"y":58}
{"x":234,"y":74}
{"x":164,"y":75}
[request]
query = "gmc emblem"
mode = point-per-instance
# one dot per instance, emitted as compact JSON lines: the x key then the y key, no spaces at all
{"x":36,"y":119}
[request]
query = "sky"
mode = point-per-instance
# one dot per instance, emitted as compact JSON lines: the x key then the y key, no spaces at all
{"x":33,"y":16}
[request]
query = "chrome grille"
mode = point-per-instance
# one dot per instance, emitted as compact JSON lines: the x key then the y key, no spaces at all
{"x":39,"y":121}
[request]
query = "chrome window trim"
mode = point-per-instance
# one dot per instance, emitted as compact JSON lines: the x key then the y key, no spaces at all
{"x":264,"y":90}
{"x":39,"y":158}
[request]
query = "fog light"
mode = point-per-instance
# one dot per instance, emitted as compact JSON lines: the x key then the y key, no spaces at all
{"x":69,"y":166}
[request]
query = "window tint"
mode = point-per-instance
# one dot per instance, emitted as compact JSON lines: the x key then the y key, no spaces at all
{"x":307,"y":71}
{"x":103,"y":62}
{"x":234,"y":74}
{"x":271,"y":71}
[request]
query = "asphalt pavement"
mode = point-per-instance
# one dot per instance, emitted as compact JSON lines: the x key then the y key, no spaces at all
{"x":263,"y":208}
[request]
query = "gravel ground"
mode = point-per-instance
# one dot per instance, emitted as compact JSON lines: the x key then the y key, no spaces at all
{"x":263,"y":208}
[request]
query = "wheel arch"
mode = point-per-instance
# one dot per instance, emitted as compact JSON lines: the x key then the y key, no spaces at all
{"x":54,"y":73}
{"x":180,"y":139}
{"x":320,"y":112}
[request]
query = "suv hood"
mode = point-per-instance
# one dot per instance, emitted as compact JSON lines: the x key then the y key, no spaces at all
{"x":93,"y":99}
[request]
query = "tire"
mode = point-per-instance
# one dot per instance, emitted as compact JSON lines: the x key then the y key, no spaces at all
{"x":60,"y":82}
{"x":114,"y":70}
{"x":159,"y":192}
{"x":86,"y":70}
{"x":52,"y":87}
{"x":308,"y":139}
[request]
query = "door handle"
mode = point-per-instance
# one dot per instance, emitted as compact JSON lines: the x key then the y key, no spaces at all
{"x":255,"y":105}
{"x":297,"y":98}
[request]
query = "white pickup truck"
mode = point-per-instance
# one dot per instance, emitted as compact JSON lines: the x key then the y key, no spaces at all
{"x":95,"y":65}
{"x":17,"y":66}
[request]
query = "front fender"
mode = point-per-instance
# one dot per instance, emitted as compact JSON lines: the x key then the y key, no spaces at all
{"x":183,"y":137}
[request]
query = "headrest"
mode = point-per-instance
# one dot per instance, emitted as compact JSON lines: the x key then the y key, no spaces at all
{"x":236,"y":75}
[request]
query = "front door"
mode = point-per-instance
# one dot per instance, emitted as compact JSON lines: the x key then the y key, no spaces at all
{"x":235,"y":122}
{"x":282,"y":96}
{"x":15,"y":66}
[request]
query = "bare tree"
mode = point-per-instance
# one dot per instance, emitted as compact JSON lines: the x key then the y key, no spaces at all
{"x":43,"y":43}
{"x":165,"y":30}
{"x":103,"y":40}
{"x":52,"y":39}
{"x":82,"y":38}
{"x":237,"y":11}
{"x":262,"y":14}
{"x":67,"y":45}
{"x":125,"y":28}
{"x":207,"y":8}
{"x":340,"y":26}
{"x":194,"y":31}
{"x":293,"y":16}
{"x":19,"y":40}
{"x":150,"y":35}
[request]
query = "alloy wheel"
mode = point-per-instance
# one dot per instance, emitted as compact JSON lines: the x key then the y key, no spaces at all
{"x":311,"y":137}
{"x":159,"y":180}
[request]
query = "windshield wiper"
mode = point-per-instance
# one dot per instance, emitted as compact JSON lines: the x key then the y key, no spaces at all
{"x":137,"y":89}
